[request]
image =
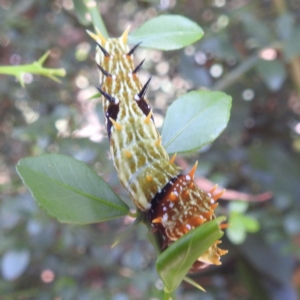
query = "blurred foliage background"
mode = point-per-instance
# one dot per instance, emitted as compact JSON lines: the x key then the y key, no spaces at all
{"x":251,"y":50}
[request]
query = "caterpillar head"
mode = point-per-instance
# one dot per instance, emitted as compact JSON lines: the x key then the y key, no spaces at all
{"x":182,"y":206}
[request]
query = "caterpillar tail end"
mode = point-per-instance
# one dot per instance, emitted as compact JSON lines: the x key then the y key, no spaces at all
{"x":182,"y":194}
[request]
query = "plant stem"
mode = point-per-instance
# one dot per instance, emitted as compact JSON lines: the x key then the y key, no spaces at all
{"x":295,"y":72}
{"x":168,"y":296}
{"x":133,"y":215}
{"x":294,"y":63}
{"x":33,"y":68}
{"x":155,"y":240}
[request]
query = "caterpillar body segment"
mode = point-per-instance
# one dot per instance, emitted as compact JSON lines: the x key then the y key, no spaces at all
{"x":130,"y":125}
{"x":181,"y":207}
{"x":173,"y":202}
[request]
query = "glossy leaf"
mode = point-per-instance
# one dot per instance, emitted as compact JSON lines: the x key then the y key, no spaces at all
{"x":167,"y":32}
{"x":174,"y":263}
{"x":194,"y":120}
{"x":69,"y":190}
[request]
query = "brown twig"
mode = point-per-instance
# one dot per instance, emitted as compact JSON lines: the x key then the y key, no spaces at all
{"x":207,"y":185}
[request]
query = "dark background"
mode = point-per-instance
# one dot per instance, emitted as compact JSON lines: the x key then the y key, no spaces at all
{"x":251,"y":50}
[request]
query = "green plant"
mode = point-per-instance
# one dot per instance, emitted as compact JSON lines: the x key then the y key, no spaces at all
{"x":73,"y":193}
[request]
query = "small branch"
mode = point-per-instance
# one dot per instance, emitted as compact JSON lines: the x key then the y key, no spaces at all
{"x":236,"y":74}
{"x":34,"y":68}
{"x":207,"y":185}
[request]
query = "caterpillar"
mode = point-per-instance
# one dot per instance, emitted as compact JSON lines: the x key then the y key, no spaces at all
{"x":172,"y":201}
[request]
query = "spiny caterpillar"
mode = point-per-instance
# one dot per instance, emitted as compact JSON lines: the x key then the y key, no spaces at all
{"x":172,"y":201}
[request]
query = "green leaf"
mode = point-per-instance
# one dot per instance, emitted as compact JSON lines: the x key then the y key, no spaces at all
{"x":173,"y":264}
{"x":87,"y":12}
{"x":236,"y":232}
{"x":167,"y":32}
{"x":69,"y":190}
{"x":238,"y":206}
{"x":98,"y":95}
{"x":256,"y":29}
{"x":96,"y":17}
{"x":273,"y":73}
{"x":194,"y":120}
{"x":194,"y":283}
{"x":81,"y":12}
{"x":240,"y":223}
{"x":291,"y":47}
{"x":284,"y":25}
{"x":250,"y":224}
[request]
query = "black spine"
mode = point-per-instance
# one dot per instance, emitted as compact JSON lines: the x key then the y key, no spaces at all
{"x":133,"y":49}
{"x":143,"y":91}
{"x":103,"y":50}
{"x":109,"y":97}
{"x":138,"y":67}
{"x":103,"y":71}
